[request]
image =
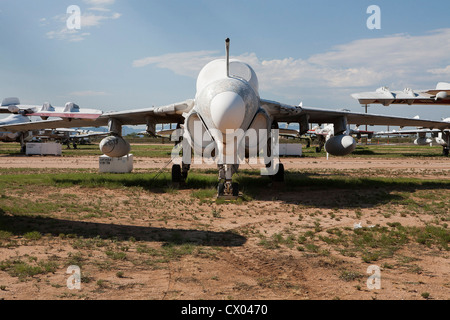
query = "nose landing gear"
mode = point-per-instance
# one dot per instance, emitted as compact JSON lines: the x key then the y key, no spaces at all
{"x":227,"y":189}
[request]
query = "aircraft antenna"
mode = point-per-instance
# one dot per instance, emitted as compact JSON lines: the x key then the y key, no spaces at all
{"x":227,"y":45}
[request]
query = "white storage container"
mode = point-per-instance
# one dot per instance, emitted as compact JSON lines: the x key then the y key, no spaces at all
{"x":44,"y":149}
{"x":290,"y":149}
{"x":116,"y":165}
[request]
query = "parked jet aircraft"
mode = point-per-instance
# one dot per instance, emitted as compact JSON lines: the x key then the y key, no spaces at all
{"x":227,"y":102}
{"x":18,"y":136}
{"x":325,"y":133}
{"x":70,"y":110}
{"x":64,"y":135}
{"x":438,"y":96}
{"x":440,"y":136}
{"x":68,"y":136}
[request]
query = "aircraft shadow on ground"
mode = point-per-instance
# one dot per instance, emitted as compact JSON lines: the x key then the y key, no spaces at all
{"x":20,"y":225}
{"x":328,"y":191}
{"x":322,"y":190}
{"x":147,"y":183}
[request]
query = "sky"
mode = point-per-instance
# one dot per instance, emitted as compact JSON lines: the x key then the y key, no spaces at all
{"x":139,"y":54}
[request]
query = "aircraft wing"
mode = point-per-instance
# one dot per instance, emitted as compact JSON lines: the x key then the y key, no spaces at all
{"x":165,"y":114}
{"x":438,"y":96}
{"x":289,"y":132}
{"x":71,"y":110}
{"x":406,"y":132}
{"x":318,"y":133}
{"x":90,"y":135}
{"x":287,"y":113}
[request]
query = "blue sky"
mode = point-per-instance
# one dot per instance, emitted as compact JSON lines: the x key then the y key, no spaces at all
{"x":136,"y":54}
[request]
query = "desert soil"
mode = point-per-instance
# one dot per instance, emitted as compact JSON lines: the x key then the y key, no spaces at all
{"x":171,"y":245}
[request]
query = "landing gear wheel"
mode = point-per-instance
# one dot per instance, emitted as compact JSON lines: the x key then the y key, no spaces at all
{"x":279,"y":176}
{"x":235,"y":189}
{"x":318,"y":149}
{"x":445,"y":152}
{"x":221,"y":189}
{"x":176,"y":173}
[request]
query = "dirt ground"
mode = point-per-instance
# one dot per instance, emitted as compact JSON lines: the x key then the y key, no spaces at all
{"x":441,"y":164}
{"x":172,"y":245}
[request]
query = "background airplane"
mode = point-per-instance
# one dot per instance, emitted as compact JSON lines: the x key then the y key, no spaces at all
{"x":23,"y":113}
{"x":439,"y":136}
{"x":18,"y":136}
{"x":70,"y":110}
{"x":227,"y":100}
{"x":327,"y":131}
{"x":68,"y":136}
{"x":438,"y":96}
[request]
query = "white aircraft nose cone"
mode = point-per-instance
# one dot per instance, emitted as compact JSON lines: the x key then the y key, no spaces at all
{"x":227,"y":111}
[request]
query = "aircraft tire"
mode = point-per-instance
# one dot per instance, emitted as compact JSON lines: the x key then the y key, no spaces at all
{"x":279,"y":176}
{"x":176,"y":173}
{"x":235,"y":189}
{"x":445,"y":152}
{"x":221,"y":189}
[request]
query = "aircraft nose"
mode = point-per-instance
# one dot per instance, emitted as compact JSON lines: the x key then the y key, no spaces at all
{"x":227,"y":111}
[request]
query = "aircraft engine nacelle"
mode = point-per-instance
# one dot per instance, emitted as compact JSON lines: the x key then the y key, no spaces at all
{"x":340,"y":145}
{"x":115,"y":147}
{"x":422,"y":141}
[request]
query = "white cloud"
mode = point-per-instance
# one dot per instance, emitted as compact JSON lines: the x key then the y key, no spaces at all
{"x":91,"y":17}
{"x":91,"y":20}
{"x":43,"y":22}
{"x":185,"y":63}
{"x":66,"y":34}
{"x":395,"y":60}
{"x":288,"y":72}
{"x":100,"y":2}
{"x":99,"y":9}
{"x":441,"y":71}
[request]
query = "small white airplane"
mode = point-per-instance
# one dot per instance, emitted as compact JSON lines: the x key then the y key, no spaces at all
{"x":227,"y":103}
{"x":439,"y":136}
{"x":327,"y":131}
{"x":386,"y":97}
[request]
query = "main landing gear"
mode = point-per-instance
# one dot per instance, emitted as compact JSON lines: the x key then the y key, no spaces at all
{"x":180,"y":173}
{"x":279,"y":176}
{"x":278,"y":172}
